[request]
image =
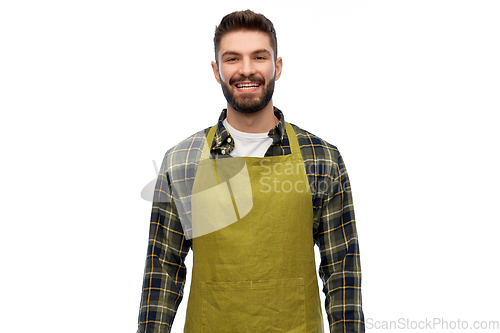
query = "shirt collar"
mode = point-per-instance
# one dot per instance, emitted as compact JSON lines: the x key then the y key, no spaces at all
{"x":221,"y":136}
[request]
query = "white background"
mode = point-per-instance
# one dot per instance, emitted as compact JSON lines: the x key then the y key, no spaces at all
{"x":91,"y":92}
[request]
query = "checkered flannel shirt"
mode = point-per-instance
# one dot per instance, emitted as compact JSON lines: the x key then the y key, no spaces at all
{"x":334,"y":228}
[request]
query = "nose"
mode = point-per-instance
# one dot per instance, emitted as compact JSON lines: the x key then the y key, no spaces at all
{"x":247,"y":67}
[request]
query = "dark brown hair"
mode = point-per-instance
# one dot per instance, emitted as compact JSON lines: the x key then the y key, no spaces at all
{"x":245,"y":20}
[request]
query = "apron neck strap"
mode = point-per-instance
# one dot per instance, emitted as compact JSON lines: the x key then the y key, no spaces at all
{"x":292,"y":139}
{"x":208,"y":144}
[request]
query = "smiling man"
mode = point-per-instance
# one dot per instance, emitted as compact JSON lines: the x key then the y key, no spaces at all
{"x":246,"y":67}
{"x":252,"y":196}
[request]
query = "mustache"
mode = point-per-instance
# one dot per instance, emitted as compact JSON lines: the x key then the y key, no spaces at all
{"x":253,"y":78}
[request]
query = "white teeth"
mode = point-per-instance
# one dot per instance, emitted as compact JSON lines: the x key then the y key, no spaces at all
{"x":247,"y":85}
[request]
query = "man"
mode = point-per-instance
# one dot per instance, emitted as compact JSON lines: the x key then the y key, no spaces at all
{"x":251,"y":196}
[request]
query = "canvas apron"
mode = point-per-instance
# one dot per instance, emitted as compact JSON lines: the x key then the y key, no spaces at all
{"x":257,"y":274}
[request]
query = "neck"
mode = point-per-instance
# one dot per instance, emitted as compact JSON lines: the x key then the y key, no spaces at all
{"x":261,"y":121}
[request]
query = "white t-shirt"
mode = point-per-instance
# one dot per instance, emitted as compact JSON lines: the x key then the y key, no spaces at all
{"x":248,"y":144}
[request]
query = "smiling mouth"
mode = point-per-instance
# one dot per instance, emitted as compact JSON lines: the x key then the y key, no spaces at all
{"x":247,"y":86}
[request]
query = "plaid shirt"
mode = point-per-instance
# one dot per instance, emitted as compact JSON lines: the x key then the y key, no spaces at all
{"x":334,"y":227}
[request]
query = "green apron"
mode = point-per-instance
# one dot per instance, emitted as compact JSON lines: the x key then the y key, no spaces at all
{"x":256,"y":274}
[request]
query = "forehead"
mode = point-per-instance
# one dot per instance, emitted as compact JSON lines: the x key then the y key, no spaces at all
{"x":245,"y":41}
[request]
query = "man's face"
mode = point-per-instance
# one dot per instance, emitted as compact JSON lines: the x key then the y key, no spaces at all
{"x":247,"y":70}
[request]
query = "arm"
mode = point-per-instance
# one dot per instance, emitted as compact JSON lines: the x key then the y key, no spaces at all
{"x":165,"y":271}
{"x":340,"y":267}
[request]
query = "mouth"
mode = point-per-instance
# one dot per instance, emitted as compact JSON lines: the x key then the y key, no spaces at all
{"x":247,"y":86}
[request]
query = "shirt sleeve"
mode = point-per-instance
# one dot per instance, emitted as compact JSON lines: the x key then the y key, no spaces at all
{"x":165,"y":271}
{"x":340,"y":268}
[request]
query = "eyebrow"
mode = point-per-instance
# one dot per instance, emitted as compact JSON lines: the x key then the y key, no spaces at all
{"x":254,"y":52}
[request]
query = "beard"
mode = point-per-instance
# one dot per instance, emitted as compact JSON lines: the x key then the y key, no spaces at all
{"x":248,"y":104}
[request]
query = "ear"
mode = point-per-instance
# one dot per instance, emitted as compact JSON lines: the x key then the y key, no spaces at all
{"x":215,"y":69}
{"x":279,"y":66}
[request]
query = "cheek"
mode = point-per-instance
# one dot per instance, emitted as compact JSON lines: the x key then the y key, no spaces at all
{"x":270,"y":71}
{"x":224,"y":75}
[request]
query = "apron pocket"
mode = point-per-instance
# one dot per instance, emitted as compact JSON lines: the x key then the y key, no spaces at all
{"x":253,"y":306}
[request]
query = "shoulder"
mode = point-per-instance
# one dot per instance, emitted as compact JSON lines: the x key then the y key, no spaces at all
{"x":185,"y":153}
{"x":314,"y":147}
{"x":190,"y":143}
